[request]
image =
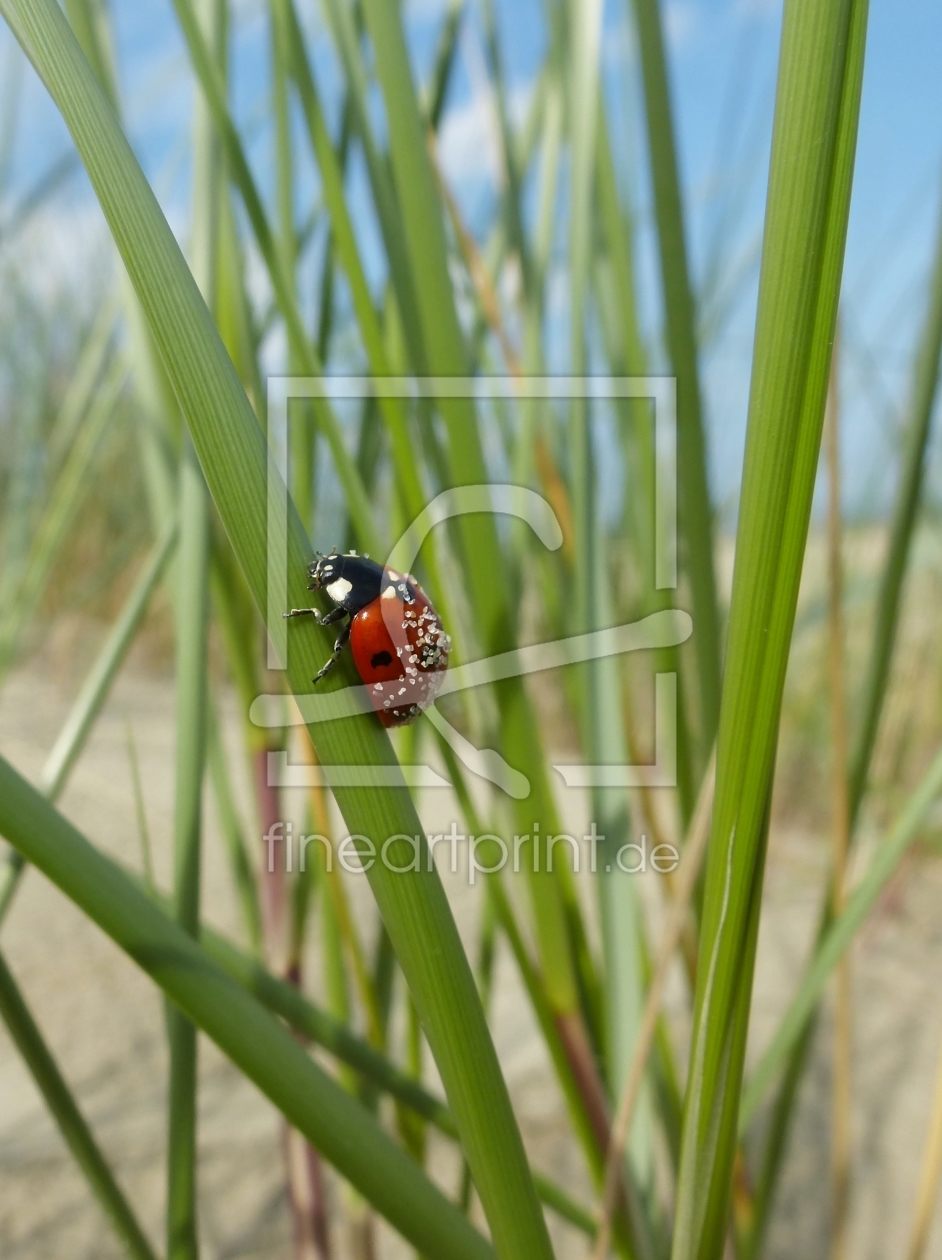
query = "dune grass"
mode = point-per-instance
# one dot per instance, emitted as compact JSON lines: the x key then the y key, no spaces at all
{"x":456,"y":300}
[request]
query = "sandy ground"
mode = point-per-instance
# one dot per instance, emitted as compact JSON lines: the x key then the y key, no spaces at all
{"x":103,"y":1021}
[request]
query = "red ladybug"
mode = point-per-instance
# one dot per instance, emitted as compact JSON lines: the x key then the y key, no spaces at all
{"x":399,"y":646}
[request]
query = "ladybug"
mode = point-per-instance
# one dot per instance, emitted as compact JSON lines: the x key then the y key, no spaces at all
{"x":399,"y":646}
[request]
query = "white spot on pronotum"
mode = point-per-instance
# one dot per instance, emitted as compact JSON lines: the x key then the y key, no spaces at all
{"x":396,"y":577}
{"x":389,"y":592}
{"x":339,"y":590}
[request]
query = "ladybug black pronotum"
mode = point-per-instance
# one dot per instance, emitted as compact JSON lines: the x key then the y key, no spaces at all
{"x":399,"y":646}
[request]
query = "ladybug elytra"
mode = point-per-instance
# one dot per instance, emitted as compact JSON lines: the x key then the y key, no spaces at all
{"x":399,"y":646}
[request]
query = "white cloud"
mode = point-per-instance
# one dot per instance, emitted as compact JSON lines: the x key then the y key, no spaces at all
{"x":469,"y":139}
{"x":467,"y":145}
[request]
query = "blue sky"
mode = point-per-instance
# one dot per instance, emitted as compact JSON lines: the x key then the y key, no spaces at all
{"x":723,"y":60}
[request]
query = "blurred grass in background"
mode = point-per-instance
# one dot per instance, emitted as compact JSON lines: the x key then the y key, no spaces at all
{"x":323,"y":232}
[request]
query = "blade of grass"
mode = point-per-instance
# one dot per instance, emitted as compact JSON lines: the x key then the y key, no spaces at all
{"x":13,"y":67}
{"x":86,"y":377}
{"x":140,"y":809}
{"x":192,"y":620}
{"x":88,"y":22}
{"x":840,"y":824}
{"x":72,"y":1124}
{"x":687,"y":875}
{"x":95,"y":688}
{"x":928,"y":1188}
{"x":924,"y":389}
{"x":72,"y":486}
{"x":512,"y":182}
{"x":901,"y":531}
{"x":89,"y":701}
{"x":348,"y":253}
{"x":627,"y":356}
{"x":443,"y":63}
{"x":602,"y":730}
{"x":584,"y":1100}
{"x":261,"y":1047}
{"x":680,"y":317}
{"x":358,"y":501}
{"x":752,"y":1237}
{"x":814,"y":141}
{"x":232,"y":831}
{"x":158,"y":430}
{"x":840,"y":935}
{"x":234,"y":460}
{"x":340,"y":19}
{"x":480,"y":552}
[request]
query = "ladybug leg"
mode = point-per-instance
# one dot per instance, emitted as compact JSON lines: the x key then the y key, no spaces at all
{"x":339,"y":646}
{"x":322,"y":620}
{"x":333,"y":616}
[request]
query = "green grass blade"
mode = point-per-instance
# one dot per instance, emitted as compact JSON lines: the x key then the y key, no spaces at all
{"x":483,"y":565}
{"x":89,"y":701}
{"x":617,"y":229}
{"x":874,"y":690}
{"x":334,"y":1035}
{"x":233,"y":836}
{"x":512,"y":192}
{"x":340,"y":19}
{"x":88,"y":22}
{"x":696,"y":516}
{"x":192,"y":619}
{"x":94,"y":691}
{"x":443,"y":63}
{"x":627,"y":356}
{"x":86,"y":378}
{"x":140,"y":807}
{"x":10,"y":97}
{"x":924,"y":390}
{"x":344,"y":238}
{"x":814,"y":142}
{"x":358,"y":501}
{"x":66,"y":498}
{"x":841,"y":933}
{"x":42,"y":1066}
{"x":773,"y":1151}
{"x":233,"y":455}
{"x":191,"y":604}
{"x":259,"y":1046}
{"x":603,"y":734}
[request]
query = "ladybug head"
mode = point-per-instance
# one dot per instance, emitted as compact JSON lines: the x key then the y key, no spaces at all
{"x":349,"y":581}
{"x":324,"y":569}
